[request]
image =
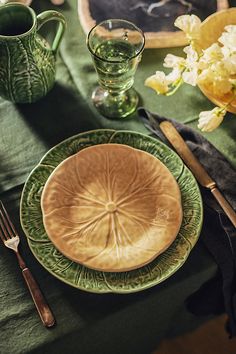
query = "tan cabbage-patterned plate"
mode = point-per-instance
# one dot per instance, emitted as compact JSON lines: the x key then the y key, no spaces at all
{"x":80,"y":276}
{"x":111,"y":207}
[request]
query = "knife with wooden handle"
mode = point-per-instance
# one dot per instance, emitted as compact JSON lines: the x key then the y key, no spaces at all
{"x":195,"y":166}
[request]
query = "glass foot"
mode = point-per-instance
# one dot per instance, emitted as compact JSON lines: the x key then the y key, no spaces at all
{"x":115,"y":106}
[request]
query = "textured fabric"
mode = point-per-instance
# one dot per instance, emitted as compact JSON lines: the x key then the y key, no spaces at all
{"x":219,"y":233}
{"x":90,"y":323}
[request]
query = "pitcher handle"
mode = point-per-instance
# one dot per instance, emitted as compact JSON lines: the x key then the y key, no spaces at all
{"x":57,"y":16}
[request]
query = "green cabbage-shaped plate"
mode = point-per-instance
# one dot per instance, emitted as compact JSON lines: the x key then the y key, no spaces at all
{"x":91,"y":280}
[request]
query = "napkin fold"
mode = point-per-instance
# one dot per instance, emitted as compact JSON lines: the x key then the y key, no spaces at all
{"x":218,"y":233}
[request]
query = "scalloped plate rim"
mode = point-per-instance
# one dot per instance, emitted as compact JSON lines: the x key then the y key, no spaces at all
{"x":109,"y":289}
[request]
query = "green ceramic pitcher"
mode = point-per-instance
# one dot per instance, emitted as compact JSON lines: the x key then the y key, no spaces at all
{"x":27,"y":61}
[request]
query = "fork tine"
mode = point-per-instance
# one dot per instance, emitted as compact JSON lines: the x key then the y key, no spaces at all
{"x":7,"y":227}
{"x":2,"y":234}
{"x":3,"y":231}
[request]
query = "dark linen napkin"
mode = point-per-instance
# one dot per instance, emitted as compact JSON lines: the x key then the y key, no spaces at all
{"x":218,"y":233}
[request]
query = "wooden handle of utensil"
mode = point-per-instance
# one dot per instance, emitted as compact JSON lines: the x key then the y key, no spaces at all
{"x":224,"y":205}
{"x":44,"y":311}
{"x":176,"y":140}
{"x":195,"y":166}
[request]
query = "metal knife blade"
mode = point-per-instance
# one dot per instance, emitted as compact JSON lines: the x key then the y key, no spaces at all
{"x":195,"y":166}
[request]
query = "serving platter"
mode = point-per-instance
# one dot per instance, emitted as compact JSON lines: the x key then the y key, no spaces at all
{"x":80,"y":276}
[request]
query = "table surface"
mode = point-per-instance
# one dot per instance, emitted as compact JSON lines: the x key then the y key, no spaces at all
{"x":91,"y":323}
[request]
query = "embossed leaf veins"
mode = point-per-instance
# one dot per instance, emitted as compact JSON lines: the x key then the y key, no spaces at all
{"x":111,"y":207}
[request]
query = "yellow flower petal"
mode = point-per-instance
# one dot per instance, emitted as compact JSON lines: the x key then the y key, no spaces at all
{"x":190,"y":25}
{"x":210,"y":120}
{"x":158,"y":82}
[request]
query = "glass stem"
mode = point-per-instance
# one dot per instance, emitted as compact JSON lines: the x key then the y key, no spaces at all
{"x":116,"y":96}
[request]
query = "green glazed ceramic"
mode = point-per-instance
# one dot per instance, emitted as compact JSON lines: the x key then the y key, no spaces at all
{"x":90,"y":280}
{"x":27,"y":62}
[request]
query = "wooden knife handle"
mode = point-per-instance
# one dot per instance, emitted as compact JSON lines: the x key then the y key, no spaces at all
{"x":195,"y":166}
{"x":176,"y":140}
{"x":43,"y":309}
{"x":224,"y":205}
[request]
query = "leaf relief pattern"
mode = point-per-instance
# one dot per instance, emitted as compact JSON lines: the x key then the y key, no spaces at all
{"x":111,"y":207}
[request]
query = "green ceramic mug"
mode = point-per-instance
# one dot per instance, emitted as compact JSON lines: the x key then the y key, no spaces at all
{"x":27,"y":61}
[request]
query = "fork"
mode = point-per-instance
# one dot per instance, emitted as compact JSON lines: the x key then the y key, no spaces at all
{"x":10,"y":238}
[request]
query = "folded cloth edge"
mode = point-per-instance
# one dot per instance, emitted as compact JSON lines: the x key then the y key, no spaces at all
{"x":214,"y":162}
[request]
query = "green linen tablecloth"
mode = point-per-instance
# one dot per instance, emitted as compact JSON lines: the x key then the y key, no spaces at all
{"x":90,"y":323}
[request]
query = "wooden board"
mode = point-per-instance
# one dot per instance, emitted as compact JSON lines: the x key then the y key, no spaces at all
{"x":155,"y":18}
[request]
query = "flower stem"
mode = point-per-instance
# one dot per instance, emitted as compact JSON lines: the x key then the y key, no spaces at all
{"x":176,"y":86}
{"x":227,"y":104}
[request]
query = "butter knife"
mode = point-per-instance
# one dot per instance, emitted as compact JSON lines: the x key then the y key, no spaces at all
{"x":195,"y":166}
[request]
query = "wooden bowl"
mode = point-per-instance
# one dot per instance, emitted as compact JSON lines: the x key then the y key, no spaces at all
{"x":211,"y":30}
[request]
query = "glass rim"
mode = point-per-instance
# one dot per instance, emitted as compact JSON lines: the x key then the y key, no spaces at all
{"x":115,"y":20}
{"x":28,"y":10}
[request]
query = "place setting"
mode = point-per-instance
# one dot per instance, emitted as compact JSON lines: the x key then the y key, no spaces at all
{"x":114,"y":245}
{"x":115,"y":211}
{"x":62,"y":213}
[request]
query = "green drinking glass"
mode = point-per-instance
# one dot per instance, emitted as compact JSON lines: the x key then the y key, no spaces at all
{"x":116,"y":47}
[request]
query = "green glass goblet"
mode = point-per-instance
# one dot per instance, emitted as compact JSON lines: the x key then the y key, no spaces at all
{"x":116,"y":47}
